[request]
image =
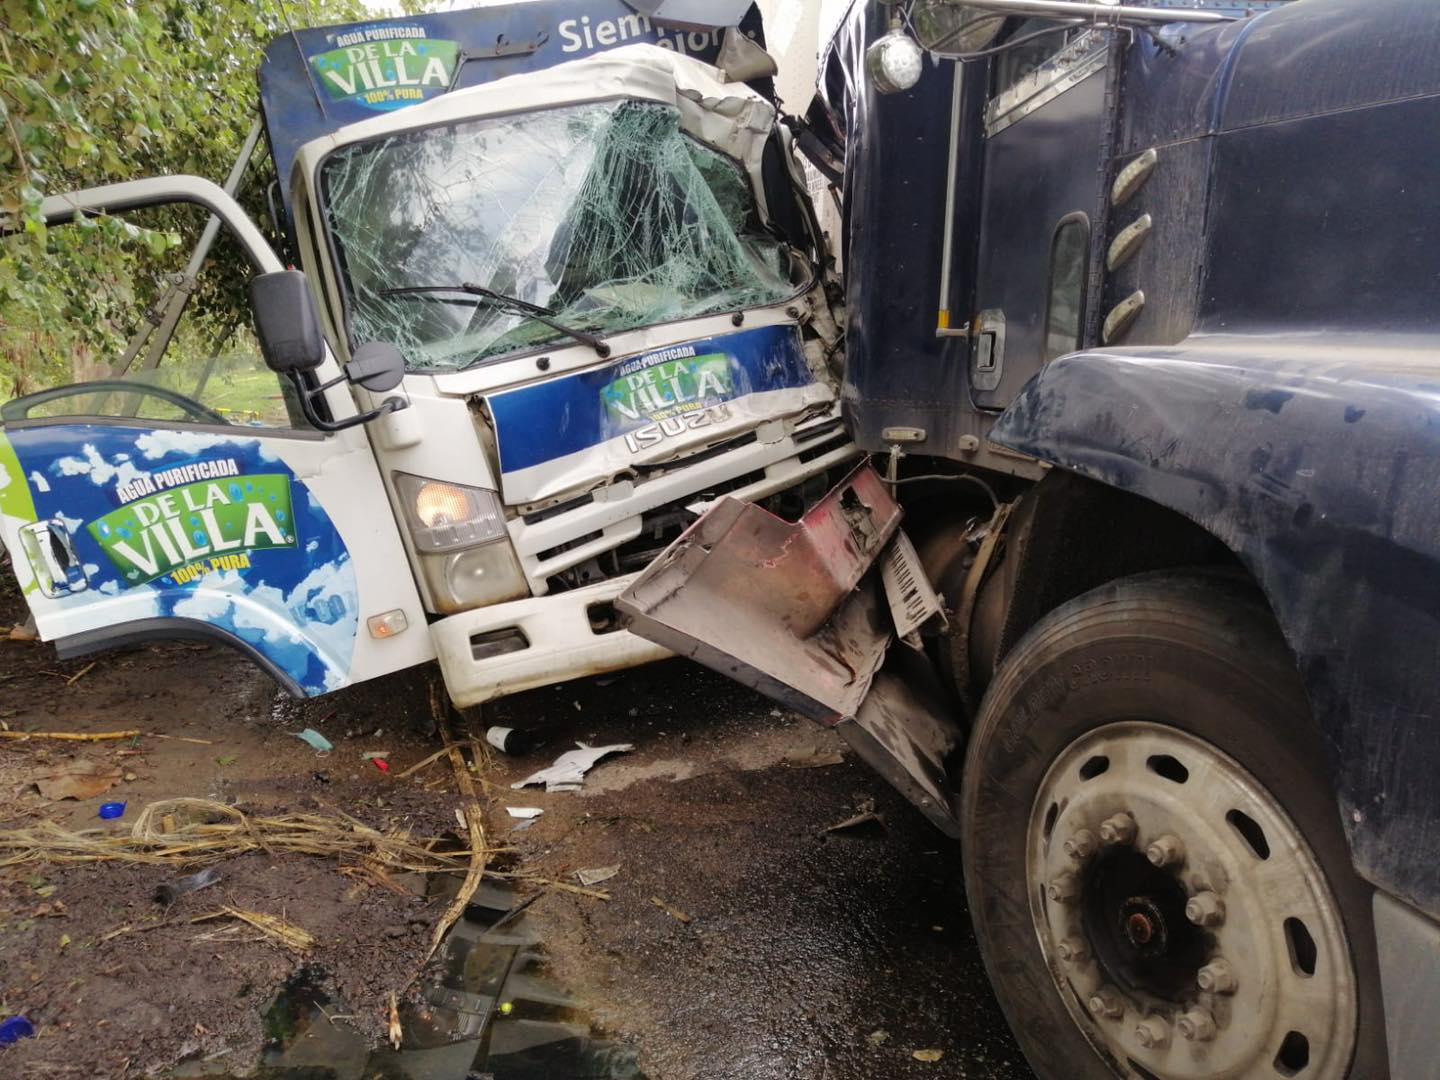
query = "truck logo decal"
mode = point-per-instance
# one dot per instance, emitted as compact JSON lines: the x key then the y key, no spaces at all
{"x":638,"y":402}
{"x":667,"y":383}
{"x":165,"y":523}
{"x":379,"y":70}
{"x":212,"y":522}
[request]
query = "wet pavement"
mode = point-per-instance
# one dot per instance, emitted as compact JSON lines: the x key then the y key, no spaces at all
{"x":809,"y":954}
{"x":487,"y":1010}
{"x":738,"y":939}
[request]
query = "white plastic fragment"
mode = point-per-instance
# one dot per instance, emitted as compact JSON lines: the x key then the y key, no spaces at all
{"x":597,"y":874}
{"x":524,"y":811}
{"x":568,"y":771}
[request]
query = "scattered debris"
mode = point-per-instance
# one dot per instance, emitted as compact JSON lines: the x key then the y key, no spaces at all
{"x":524,"y":811}
{"x":73,"y":679}
{"x":78,"y":779}
{"x":381,"y":764}
{"x":439,"y":709}
{"x":432,"y":758}
{"x":597,"y":875}
{"x":228,"y":759}
{"x":286,"y":933}
{"x":112,"y":810}
{"x":568,"y":771}
{"x":180,"y":738}
{"x":813,"y":759}
{"x":199,"y":831}
{"x":15,"y":1028}
{"x":509,"y":740}
{"x":171,"y":891}
{"x":24,"y":632}
{"x":928,"y":1055}
{"x":563,"y":886}
{"x":674,"y":913}
{"x":72,"y":736}
{"x":395,"y":1030}
{"x":866,"y":815}
{"x":878,"y":1037}
{"x":315,"y":739}
{"x":371,"y":755}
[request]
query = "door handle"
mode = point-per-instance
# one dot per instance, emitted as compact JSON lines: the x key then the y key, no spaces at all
{"x":51,"y":552}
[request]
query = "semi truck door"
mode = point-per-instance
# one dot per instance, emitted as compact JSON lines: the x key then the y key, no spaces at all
{"x":1043,"y":136}
{"x":181,"y":493}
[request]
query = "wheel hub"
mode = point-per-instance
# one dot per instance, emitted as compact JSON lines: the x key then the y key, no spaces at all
{"x":1144,"y":925}
{"x":1187,"y":924}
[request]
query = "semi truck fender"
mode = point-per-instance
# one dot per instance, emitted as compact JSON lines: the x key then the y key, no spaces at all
{"x":1312,"y":459}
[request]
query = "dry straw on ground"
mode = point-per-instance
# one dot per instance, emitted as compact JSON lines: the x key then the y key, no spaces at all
{"x":193,"y":832}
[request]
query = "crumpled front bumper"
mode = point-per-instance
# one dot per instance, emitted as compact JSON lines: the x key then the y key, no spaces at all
{"x":566,"y":635}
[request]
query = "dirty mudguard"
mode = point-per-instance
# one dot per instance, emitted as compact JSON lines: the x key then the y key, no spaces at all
{"x":797,"y":611}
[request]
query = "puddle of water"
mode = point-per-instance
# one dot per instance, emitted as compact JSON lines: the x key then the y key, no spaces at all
{"x":489,"y":1013}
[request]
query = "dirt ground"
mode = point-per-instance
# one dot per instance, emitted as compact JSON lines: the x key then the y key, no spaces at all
{"x":805,"y":954}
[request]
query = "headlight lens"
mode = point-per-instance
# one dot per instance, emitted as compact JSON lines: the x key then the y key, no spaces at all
{"x":441,"y":504}
{"x":464,"y":549}
{"x":445,"y":516}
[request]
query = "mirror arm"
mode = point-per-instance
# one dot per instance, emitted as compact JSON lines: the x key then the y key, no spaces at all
{"x":307,"y":406}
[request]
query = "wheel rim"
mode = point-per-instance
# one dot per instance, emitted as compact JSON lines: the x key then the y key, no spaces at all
{"x":1188,"y":926}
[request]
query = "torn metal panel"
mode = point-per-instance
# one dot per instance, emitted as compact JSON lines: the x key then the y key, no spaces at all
{"x":796,"y":611}
{"x":778,"y":605}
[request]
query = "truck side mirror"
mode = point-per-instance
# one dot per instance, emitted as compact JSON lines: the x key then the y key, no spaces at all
{"x":290,"y":339}
{"x":377,"y":366}
{"x":286,"y":322}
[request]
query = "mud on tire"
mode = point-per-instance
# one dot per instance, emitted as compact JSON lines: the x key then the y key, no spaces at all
{"x":1199,"y":660}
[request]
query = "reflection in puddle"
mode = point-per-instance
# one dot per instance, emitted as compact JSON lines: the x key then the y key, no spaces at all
{"x":489,"y":1014}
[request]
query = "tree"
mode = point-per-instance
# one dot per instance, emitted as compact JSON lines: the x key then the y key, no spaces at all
{"x":96,"y":91}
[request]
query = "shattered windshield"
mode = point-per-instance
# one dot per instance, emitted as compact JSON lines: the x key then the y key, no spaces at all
{"x":604,"y":213}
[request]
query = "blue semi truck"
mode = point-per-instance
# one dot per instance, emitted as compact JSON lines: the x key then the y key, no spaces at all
{"x":1142,"y":338}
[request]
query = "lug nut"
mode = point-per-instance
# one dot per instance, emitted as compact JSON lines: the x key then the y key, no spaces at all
{"x":1105,"y":1002}
{"x":1197,"y":1025}
{"x":1072,"y":951}
{"x":1205,"y":909}
{"x":1119,"y":829}
{"x":1217,"y":977}
{"x":1166,"y":850}
{"x":1063,"y":888}
{"x":1080,"y":846}
{"x":1152,"y":1033}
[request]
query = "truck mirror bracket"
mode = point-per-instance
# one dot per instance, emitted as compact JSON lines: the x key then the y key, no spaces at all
{"x":308,"y":394}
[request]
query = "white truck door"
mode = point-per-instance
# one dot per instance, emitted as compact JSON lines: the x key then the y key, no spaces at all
{"x":183,"y":494}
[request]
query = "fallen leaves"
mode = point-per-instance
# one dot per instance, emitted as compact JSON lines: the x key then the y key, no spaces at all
{"x":76,"y":780}
{"x":927,"y":1055}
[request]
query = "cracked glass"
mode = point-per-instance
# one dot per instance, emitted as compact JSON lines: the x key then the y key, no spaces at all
{"x":605,"y":214}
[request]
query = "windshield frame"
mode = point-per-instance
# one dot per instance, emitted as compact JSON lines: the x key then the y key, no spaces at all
{"x":319,"y":182}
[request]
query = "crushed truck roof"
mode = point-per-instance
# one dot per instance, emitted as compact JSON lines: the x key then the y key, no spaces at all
{"x":314,"y":81}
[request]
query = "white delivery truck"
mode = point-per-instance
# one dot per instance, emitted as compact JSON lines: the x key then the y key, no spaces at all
{"x":560,"y":286}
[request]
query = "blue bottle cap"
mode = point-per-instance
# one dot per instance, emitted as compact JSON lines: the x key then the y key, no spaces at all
{"x":14,"y":1028}
{"x":112,"y":810}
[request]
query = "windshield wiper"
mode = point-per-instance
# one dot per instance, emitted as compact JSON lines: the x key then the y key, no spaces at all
{"x":513,"y":305}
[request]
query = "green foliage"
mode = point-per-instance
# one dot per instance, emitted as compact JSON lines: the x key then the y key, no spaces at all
{"x":98,"y":91}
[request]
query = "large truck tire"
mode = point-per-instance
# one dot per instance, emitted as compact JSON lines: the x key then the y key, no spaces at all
{"x":1154,"y":857}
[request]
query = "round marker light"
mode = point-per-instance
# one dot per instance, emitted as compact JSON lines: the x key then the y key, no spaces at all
{"x":441,"y":504}
{"x":894,"y":61}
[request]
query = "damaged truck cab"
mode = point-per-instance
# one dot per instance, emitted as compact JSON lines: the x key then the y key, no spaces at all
{"x":562,"y":286}
{"x":1143,"y":339}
